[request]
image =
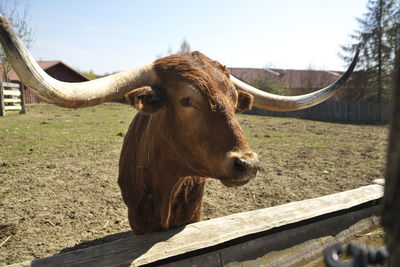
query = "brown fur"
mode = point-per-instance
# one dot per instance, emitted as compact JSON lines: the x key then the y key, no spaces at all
{"x":169,"y":149}
{"x":209,"y":76}
{"x":245,"y":102}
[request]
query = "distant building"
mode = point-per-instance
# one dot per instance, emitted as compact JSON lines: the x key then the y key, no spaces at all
{"x":56,"y":69}
{"x":288,"y":81}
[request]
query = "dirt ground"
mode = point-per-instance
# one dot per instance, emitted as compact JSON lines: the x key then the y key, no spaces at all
{"x":58,"y":171}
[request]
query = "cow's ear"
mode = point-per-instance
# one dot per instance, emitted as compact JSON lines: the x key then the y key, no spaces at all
{"x":146,"y":99}
{"x":245,"y":101}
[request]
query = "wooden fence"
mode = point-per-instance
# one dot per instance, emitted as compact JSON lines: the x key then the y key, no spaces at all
{"x":11,"y":98}
{"x":31,"y":98}
{"x":352,"y":112}
{"x":292,"y":234}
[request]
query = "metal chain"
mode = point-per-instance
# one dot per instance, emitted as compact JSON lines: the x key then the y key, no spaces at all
{"x":359,"y":255}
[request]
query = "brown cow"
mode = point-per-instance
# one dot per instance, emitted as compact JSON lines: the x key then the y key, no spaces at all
{"x":185,"y":129}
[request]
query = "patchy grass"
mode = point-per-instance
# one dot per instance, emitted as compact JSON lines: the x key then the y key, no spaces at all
{"x":48,"y":133}
{"x":58,"y":171}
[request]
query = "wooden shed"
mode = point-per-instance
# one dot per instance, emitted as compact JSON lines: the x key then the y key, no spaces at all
{"x":56,"y":69}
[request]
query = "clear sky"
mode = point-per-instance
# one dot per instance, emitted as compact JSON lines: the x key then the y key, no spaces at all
{"x":115,"y":35}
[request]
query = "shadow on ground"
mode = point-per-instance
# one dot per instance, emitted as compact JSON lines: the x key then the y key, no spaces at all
{"x":98,"y":241}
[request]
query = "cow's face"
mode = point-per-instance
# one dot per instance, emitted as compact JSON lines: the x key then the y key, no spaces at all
{"x":198,"y":106}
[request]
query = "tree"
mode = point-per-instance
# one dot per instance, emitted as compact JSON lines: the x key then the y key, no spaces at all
{"x":264,"y":79}
{"x":378,"y":38}
{"x":394,"y":30}
{"x":391,"y":200}
{"x":267,"y":85}
{"x":185,"y":47}
{"x":90,"y":75}
{"x":19,"y":19}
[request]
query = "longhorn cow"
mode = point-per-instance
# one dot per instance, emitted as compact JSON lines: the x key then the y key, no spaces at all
{"x":185,"y":129}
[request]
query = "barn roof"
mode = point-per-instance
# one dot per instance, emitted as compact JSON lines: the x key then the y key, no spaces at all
{"x":45,"y":65}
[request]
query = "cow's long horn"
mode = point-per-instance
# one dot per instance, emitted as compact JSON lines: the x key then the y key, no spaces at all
{"x":72,"y":95}
{"x":287,"y":103}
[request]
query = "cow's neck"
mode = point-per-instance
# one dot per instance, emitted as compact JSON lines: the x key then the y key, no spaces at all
{"x":179,"y":196}
{"x":156,"y":189}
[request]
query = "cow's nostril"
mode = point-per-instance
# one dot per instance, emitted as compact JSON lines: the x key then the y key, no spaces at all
{"x":240,"y":165}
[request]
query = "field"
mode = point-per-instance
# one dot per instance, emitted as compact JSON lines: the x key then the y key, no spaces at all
{"x":58,"y":171}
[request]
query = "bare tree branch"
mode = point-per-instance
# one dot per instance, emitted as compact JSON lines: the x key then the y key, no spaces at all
{"x":19,"y":18}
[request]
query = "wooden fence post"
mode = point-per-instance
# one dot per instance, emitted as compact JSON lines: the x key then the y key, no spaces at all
{"x":2,"y":109}
{"x":391,"y":204}
{"x":22,"y":89}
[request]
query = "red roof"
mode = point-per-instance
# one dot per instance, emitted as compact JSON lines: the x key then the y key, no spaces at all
{"x":287,"y":78}
{"x":12,"y":76}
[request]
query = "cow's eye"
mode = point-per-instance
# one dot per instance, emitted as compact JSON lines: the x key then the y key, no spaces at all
{"x":186,"y":102}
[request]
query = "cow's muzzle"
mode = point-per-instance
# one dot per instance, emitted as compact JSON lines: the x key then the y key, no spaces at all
{"x":242,"y":167}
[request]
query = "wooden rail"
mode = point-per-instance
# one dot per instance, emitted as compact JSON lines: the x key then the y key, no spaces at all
{"x":11,"y":98}
{"x":237,"y":237}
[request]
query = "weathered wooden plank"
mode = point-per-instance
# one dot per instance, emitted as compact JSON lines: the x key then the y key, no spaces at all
{"x":12,"y":100}
{"x":2,"y":111}
{"x":379,"y":181}
{"x":11,"y":85}
{"x":12,"y":92}
{"x":296,"y":246}
{"x":153,"y":247}
{"x":23,"y":107}
{"x":16,"y":107}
